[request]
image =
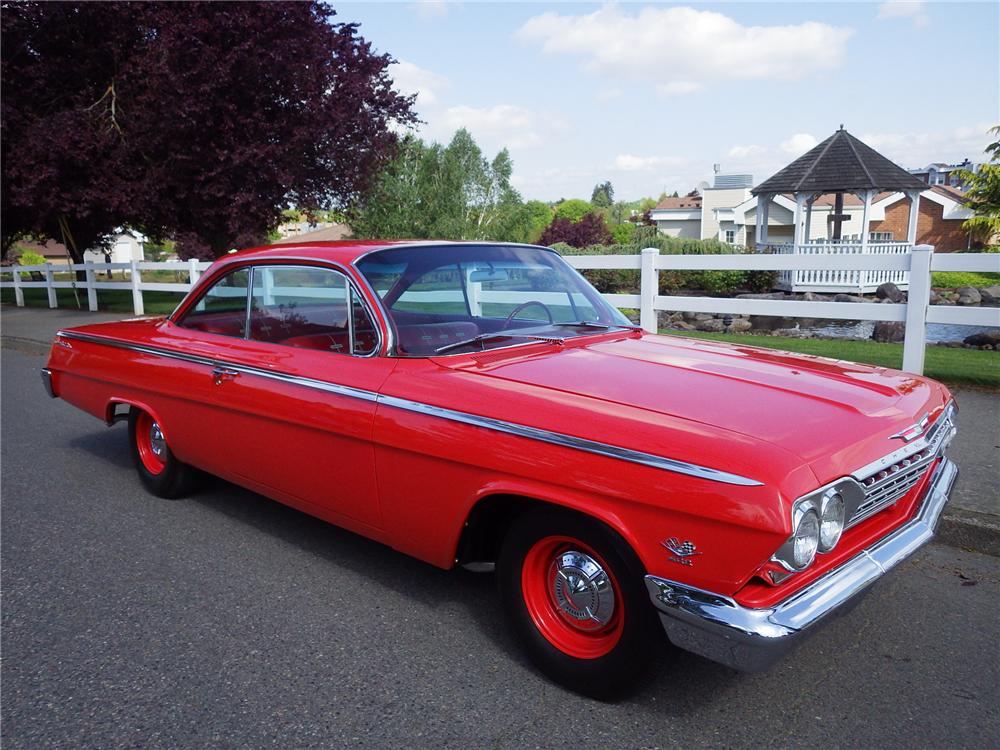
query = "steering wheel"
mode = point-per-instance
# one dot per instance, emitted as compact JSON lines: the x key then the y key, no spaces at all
{"x":523,"y":305}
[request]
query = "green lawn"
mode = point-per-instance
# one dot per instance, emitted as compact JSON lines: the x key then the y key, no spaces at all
{"x":952,"y":366}
{"x":108,"y":300}
{"x":955,"y":279}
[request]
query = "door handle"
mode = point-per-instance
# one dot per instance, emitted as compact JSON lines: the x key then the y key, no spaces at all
{"x":219,"y":374}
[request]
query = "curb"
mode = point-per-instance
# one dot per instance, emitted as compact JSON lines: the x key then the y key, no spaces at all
{"x":964,"y":529}
{"x":970,"y":530}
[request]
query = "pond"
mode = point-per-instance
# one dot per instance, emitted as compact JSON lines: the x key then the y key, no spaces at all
{"x":862,"y":329}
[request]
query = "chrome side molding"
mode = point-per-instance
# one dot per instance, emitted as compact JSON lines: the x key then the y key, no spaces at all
{"x":497,"y":425}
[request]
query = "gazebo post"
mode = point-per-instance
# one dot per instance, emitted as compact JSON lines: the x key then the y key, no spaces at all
{"x":866,"y":218}
{"x":800,"y":201}
{"x":766,"y":217}
{"x":911,"y":229}
{"x":809,"y":217}
{"x":759,"y":223}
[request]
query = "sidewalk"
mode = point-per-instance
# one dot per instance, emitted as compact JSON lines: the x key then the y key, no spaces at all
{"x":971,"y":521}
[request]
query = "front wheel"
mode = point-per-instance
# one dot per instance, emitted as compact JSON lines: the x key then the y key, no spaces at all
{"x":158,"y":468}
{"x":575,"y":595}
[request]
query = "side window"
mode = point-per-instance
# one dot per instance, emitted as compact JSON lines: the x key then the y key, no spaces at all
{"x":437,"y":292}
{"x":309,"y":308}
{"x":223,"y":308}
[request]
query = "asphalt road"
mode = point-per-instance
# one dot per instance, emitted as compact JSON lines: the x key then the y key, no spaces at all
{"x":228,"y":620}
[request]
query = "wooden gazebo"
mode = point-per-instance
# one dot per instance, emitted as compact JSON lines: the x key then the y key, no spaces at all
{"x":841,"y":165}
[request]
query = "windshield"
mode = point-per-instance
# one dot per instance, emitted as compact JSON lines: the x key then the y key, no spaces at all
{"x":458,"y":298}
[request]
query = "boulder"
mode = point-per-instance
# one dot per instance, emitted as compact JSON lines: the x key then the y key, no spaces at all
{"x":987,"y":338}
{"x":935,"y":298}
{"x":990,"y":295}
{"x":890,"y":291}
{"x":703,"y":316}
{"x":968,"y":295}
{"x":768,"y":295}
{"x":814,"y":297}
{"x":680,"y":325}
{"x":887,"y":332}
{"x":848,"y":298}
{"x":713,"y":325}
{"x":739,"y":325}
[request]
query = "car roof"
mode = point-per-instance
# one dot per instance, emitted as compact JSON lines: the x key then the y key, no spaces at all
{"x":344,"y":252}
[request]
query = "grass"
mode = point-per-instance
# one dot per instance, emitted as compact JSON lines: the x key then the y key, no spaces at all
{"x":949,"y":365}
{"x":955,"y":279}
{"x":108,"y":300}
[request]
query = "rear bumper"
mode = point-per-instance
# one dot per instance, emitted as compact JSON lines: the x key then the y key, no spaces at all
{"x":47,"y":382}
{"x":751,"y":640}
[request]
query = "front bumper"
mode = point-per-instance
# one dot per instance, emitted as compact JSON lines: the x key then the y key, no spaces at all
{"x":751,"y":640}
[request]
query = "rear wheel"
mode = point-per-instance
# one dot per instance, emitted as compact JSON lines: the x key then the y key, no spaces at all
{"x":159,"y":470}
{"x":575,"y":595}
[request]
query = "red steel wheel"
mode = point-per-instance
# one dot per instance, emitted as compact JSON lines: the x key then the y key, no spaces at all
{"x":572,"y":597}
{"x":150,"y":444}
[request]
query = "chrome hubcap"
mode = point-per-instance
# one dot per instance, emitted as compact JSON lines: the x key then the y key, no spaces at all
{"x":582,"y":589}
{"x":156,"y":442}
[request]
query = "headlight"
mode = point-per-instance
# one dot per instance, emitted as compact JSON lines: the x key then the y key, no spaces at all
{"x":805,"y":540}
{"x":831,"y":521}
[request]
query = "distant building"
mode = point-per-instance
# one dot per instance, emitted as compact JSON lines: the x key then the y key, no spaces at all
{"x":325,"y":233}
{"x":127,"y":245}
{"x":943,"y":174}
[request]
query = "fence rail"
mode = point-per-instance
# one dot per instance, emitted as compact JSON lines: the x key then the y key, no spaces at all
{"x":916,"y":313}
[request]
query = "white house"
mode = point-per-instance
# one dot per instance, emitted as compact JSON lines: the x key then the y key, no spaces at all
{"x":127,"y":245}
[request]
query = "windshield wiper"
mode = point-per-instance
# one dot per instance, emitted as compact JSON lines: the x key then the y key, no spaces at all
{"x":483,"y":337}
{"x":592,"y":324}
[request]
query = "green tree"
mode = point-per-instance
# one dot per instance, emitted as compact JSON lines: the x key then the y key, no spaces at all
{"x":539,"y":216}
{"x":983,"y":195}
{"x":603,"y":195}
{"x":573,"y":209}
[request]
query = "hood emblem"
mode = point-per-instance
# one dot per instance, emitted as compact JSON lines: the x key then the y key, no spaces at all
{"x":913,"y":431}
{"x":681,"y":552}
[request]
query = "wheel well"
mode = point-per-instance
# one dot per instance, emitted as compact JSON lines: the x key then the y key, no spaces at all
{"x":488,"y":522}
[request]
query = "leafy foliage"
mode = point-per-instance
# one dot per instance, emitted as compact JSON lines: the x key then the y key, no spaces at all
{"x":603,"y":195}
{"x":31,"y":258}
{"x":573,"y":209}
{"x":196,"y":119}
{"x":983,"y":195}
{"x":589,"y":230}
{"x":445,"y":192}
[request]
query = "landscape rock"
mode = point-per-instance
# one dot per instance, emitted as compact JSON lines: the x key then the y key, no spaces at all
{"x":848,"y":298}
{"x":680,"y":325}
{"x":935,"y":298}
{"x":968,"y":295}
{"x":888,"y":332}
{"x":814,"y":297}
{"x":703,"y":316}
{"x":990,"y":295}
{"x":987,"y":338}
{"x":768,"y":295}
{"x":890,"y":291}
{"x":713,"y":325}
{"x":739,"y":325}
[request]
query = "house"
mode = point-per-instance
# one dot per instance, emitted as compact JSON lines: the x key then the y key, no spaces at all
{"x":940,"y":173}
{"x":326,"y":233}
{"x":125,"y":246}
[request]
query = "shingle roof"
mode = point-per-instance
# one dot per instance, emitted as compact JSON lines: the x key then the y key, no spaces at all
{"x":685,"y":202}
{"x":840,"y":163}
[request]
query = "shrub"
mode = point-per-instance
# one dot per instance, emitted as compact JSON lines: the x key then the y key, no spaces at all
{"x":719,"y":282}
{"x":589,"y":230}
{"x":31,"y":258}
{"x":622,"y":233}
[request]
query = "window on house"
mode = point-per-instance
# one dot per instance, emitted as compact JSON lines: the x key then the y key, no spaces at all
{"x":731,"y":236}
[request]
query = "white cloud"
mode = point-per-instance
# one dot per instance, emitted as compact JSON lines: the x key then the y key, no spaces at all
{"x":412,"y":79}
{"x":429,"y":9}
{"x":499,"y":126}
{"x":912,"y":10}
{"x":609,"y":94}
{"x":746,"y":152}
{"x":914,"y":150}
{"x":681,"y":49}
{"x":798,"y":144}
{"x":632,"y":163}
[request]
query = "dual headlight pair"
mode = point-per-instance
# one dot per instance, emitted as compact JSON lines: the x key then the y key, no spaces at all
{"x":817,"y":523}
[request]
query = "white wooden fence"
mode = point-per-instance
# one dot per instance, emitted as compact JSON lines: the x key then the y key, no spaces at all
{"x":916,"y":313}
{"x":828,"y":279}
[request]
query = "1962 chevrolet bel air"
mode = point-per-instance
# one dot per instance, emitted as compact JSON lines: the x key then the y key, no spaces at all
{"x":482,"y":405}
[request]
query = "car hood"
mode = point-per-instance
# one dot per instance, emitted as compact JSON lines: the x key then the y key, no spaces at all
{"x":833,"y":414}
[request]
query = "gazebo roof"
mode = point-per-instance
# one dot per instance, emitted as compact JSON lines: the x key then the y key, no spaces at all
{"x":840,"y":163}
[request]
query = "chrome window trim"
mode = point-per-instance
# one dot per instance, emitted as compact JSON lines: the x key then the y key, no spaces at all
{"x":296,"y":263}
{"x":497,"y":425}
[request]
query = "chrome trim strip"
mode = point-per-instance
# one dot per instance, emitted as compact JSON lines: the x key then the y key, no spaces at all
{"x":47,"y":382}
{"x":907,"y":450}
{"x":497,"y":425}
{"x":719,"y":628}
{"x":568,"y":441}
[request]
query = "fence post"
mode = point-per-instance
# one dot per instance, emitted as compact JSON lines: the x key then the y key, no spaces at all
{"x":193,"y":271}
{"x":649,"y":287}
{"x":918,"y":298}
{"x":18,"y":291}
{"x":53,"y":300}
{"x":136,"y":288}
{"x":88,"y":269}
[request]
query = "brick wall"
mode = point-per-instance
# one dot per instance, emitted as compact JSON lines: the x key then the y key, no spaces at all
{"x":946,"y":235}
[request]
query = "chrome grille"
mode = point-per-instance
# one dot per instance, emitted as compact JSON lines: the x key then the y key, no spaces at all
{"x":888,"y":483}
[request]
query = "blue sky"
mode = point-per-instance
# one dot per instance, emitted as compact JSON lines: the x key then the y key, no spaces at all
{"x":651,"y":95}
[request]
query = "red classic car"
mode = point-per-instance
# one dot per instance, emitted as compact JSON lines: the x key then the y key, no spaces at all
{"x":480,"y":404}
